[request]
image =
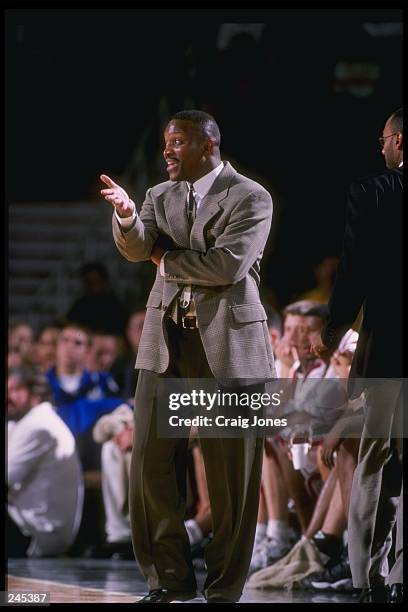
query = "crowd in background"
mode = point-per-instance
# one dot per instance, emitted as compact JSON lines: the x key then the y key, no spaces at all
{"x":70,"y":410}
{"x":71,"y":384}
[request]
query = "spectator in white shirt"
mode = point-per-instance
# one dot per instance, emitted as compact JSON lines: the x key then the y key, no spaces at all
{"x":44,"y":475}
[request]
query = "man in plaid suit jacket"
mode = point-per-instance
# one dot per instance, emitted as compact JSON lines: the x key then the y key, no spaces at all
{"x":205,"y":229}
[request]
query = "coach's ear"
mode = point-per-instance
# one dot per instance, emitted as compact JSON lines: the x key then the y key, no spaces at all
{"x":399,"y":141}
{"x":209,"y":146}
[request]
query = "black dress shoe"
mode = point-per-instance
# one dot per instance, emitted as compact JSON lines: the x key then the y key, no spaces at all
{"x":396,"y":593}
{"x":166,"y":596}
{"x":377,"y":594}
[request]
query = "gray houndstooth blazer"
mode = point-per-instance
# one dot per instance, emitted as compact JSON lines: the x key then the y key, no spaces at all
{"x":220,"y":258}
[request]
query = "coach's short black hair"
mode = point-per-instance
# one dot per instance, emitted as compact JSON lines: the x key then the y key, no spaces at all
{"x":204,"y":122}
{"x":397,"y":118}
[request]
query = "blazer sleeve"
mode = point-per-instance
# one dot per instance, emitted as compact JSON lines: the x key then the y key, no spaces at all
{"x":136,"y":243}
{"x":234,"y":252}
{"x":350,"y":287}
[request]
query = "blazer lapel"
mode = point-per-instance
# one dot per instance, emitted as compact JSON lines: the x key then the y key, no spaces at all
{"x":176,"y":214}
{"x":211,"y":204}
{"x":175,"y":206}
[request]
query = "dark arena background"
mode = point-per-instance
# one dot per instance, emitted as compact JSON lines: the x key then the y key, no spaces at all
{"x":301,"y":97}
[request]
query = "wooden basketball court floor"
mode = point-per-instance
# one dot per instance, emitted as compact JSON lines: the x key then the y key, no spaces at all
{"x":71,"y":580}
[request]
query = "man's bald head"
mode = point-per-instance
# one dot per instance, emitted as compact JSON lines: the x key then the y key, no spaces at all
{"x":392,"y":140}
{"x":397,"y":120}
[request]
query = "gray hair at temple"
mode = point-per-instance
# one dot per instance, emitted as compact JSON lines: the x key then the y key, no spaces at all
{"x":33,"y":379}
{"x":397,"y":119}
{"x":307,"y":308}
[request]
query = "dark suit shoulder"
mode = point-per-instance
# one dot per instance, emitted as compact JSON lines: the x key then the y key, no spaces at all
{"x":389,"y":180}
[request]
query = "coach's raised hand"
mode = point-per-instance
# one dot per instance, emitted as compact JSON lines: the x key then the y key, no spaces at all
{"x":117,"y":196}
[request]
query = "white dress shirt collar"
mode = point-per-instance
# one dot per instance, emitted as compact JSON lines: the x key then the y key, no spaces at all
{"x":204,"y":184}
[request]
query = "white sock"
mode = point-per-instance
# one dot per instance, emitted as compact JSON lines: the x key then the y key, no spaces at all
{"x":277,"y":529}
{"x":194,"y":532}
{"x":260,"y":531}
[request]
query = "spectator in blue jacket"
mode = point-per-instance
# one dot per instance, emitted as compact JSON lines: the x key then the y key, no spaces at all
{"x":81,"y":397}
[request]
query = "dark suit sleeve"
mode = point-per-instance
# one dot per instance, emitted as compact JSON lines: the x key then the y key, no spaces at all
{"x":350,"y":286}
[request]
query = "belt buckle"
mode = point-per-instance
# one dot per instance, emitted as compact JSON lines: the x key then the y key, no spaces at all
{"x":189,"y":322}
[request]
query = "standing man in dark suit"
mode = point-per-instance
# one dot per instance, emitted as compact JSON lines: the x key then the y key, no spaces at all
{"x":370,"y":275}
{"x":204,"y":320}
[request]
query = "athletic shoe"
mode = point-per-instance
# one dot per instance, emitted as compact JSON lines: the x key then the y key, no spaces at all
{"x":258,"y":540}
{"x":336,"y":576}
{"x":271,"y":550}
{"x":329,"y":545}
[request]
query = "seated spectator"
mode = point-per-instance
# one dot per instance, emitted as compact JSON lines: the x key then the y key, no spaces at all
{"x":335,"y":574}
{"x":46,"y":347}
{"x":317,"y":552}
{"x":14,"y":357}
{"x":105,"y":349}
{"x":274,"y":536}
{"x":44,"y":476}
{"x":123,"y":368}
{"x":22,"y":335}
{"x":20,"y":343}
{"x":306,"y":402}
{"x":339,"y":453}
{"x":99,"y":309}
{"x":328,"y":557}
{"x":81,"y":396}
{"x":115,"y":432}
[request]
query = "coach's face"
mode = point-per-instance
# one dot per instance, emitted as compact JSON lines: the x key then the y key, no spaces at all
{"x":186,"y":151}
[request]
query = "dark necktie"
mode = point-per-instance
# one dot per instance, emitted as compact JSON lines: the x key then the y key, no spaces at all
{"x":191,"y":207}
